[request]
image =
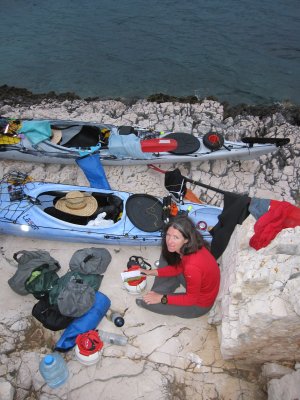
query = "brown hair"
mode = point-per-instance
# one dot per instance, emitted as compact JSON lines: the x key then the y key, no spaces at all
{"x":188,"y":230}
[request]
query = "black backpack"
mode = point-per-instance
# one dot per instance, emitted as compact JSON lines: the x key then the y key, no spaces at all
{"x":50,"y":316}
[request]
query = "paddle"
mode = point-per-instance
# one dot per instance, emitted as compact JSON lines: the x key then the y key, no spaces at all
{"x":175,"y":172}
{"x":235,"y":211}
{"x":277,"y":141}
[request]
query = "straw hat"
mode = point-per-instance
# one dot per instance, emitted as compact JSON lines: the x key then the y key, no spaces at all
{"x":56,"y":136}
{"x":77,"y":203}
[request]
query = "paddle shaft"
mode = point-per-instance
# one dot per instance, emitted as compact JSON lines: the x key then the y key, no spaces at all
{"x":204,"y":185}
{"x":189,"y":180}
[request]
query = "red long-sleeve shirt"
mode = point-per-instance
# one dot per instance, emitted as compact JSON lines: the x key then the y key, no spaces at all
{"x":202,"y":276}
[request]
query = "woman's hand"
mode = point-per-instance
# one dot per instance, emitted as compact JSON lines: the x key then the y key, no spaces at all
{"x":152,"y":298}
{"x":149,"y":272}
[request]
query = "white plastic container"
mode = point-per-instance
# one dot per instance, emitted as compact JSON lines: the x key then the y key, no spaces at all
{"x":135,"y":286}
{"x":87,"y":360}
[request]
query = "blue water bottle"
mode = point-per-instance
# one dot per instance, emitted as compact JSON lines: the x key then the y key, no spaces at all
{"x":54,"y":370}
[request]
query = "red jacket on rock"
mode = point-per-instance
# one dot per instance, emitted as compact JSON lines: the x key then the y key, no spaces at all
{"x":202,"y":276}
{"x":281,"y":215}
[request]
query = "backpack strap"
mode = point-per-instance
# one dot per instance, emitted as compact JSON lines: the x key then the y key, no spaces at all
{"x":15,"y":256}
{"x":138,"y":261}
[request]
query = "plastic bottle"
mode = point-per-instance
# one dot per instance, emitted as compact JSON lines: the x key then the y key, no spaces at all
{"x":113,"y":338}
{"x":54,"y":370}
{"x":116,"y":318}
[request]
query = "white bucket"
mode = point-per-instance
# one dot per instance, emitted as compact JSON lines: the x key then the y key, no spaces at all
{"x":135,"y":286}
{"x":87,"y":360}
{"x":135,"y":289}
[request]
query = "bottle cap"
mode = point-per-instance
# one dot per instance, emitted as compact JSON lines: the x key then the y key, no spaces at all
{"x":49,"y":359}
{"x":119,"y":321}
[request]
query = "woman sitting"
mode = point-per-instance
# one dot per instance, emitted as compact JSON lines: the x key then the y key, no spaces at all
{"x":185,"y":260}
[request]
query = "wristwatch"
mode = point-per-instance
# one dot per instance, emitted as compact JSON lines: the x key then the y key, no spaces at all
{"x":164,"y":299}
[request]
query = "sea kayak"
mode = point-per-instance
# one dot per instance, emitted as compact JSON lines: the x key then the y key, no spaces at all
{"x":71,"y":213}
{"x":62,"y":142}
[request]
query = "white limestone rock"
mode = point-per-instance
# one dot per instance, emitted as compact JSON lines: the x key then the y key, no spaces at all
{"x":24,"y":377}
{"x":259,"y":330}
{"x":291,"y":293}
{"x":258,"y":302}
{"x":20,"y":325}
{"x":275,"y":371}
{"x":7,"y":391}
{"x":287,"y":388}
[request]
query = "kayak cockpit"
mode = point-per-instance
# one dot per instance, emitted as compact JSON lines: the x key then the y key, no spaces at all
{"x":82,"y":208}
{"x":79,"y":136}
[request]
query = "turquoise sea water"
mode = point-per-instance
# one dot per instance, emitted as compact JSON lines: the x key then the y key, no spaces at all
{"x":237,"y":50}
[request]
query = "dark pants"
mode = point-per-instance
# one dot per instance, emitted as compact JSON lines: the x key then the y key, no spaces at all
{"x":168,"y":285}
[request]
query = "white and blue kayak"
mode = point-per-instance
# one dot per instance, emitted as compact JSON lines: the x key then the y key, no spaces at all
{"x":62,"y":142}
{"x":84,"y":214}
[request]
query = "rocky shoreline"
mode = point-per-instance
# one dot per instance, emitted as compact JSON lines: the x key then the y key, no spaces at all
{"x":10,"y":95}
{"x":270,"y":173}
{"x":23,"y":340}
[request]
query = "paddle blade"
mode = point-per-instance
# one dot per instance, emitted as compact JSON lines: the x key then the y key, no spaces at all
{"x":190,"y":195}
{"x":158,"y":145}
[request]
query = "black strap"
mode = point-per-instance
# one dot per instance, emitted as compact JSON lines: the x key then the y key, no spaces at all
{"x":138,"y":260}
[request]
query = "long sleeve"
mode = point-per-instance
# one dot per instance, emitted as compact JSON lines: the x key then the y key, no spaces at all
{"x":194,"y":280}
{"x":170,"y":270}
{"x":202,"y":276}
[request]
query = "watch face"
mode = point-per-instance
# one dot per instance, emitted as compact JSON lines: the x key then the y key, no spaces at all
{"x":164,"y":299}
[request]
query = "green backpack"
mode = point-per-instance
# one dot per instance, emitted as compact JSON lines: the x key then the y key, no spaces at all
{"x":41,"y":281}
{"x":92,"y":280}
{"x":32,"y":262}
